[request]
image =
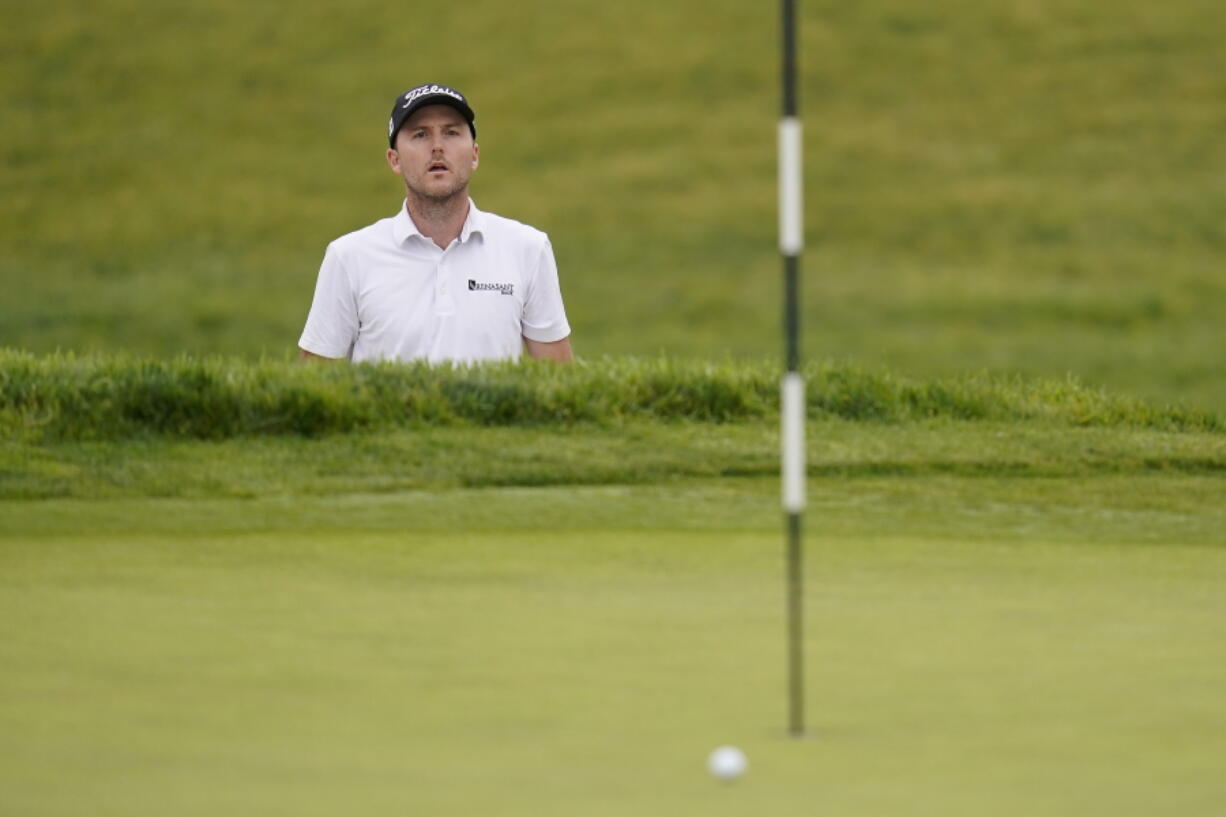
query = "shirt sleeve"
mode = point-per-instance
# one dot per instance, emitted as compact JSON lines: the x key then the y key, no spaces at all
{"x":332,"y":324}
{"x":544,"y":318}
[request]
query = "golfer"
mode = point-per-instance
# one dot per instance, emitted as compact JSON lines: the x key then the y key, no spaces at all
{"x":440,"y":280}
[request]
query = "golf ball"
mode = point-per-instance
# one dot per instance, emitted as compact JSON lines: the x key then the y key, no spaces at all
{"x":727,"y":763}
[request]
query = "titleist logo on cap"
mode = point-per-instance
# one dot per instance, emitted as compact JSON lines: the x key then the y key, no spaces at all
{"x":430,"y":89}
{"x":430,"y":93}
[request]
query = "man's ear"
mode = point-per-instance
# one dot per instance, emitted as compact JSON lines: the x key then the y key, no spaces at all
{"x":393,"y":160}
{"x":476,"y":155}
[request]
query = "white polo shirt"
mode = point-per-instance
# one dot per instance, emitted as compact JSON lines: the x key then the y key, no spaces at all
{"x":386,"y":292}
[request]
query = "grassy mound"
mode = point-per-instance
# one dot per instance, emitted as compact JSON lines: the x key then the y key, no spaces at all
{"x":1031,"y":186}
{"x":69,"y":397}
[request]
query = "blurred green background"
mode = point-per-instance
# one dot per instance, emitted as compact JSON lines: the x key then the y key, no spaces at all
{"x":1027,"y":186}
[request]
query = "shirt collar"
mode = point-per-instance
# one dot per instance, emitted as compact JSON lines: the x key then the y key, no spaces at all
{"x":403,"y":227}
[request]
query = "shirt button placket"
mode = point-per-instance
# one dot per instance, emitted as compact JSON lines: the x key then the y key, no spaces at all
{"x":443,"y":303}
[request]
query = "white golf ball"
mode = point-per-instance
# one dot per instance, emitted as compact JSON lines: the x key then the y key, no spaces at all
{"x":727,"y":763}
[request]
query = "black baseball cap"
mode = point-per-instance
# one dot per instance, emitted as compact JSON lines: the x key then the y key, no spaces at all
{"x":428,"y":94}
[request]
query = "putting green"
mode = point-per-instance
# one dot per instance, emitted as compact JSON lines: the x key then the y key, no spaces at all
{"x":266,"y":663}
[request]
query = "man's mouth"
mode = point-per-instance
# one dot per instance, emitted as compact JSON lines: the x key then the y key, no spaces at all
{"x":437,"y":167}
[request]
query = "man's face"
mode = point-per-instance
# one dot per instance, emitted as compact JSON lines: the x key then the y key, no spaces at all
{"x":435,"y":153}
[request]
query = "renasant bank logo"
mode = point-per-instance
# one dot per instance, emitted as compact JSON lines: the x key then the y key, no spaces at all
{"x":481,"y":286}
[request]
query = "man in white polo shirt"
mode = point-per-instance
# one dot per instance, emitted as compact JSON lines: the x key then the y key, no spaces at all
{"x":440,"y":280}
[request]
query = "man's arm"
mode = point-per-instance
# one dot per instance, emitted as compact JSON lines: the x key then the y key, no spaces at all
{"x":558,"y":351}
{"x":543,"y":314}
{"x":332,"y":323}
{"x":304,"y":355}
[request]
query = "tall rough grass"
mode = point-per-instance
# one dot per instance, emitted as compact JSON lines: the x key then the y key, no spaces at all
{"x":70,"y":397}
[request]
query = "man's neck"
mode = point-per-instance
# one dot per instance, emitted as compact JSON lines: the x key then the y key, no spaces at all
{"x":440,"y":221}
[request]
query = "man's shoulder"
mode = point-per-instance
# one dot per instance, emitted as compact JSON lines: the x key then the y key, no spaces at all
{"x":364,"y":237}
{"x":503,"y":228}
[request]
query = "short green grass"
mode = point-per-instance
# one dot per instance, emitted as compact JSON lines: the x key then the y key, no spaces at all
{"x":1004,"y":646}
{"x":631,"y":454}
{"x":1012,"y":602}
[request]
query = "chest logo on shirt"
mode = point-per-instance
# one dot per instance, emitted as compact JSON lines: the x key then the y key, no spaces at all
{"x":482,"y":286}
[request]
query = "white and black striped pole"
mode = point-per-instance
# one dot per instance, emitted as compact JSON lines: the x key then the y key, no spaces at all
{"x":792,"y":392}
